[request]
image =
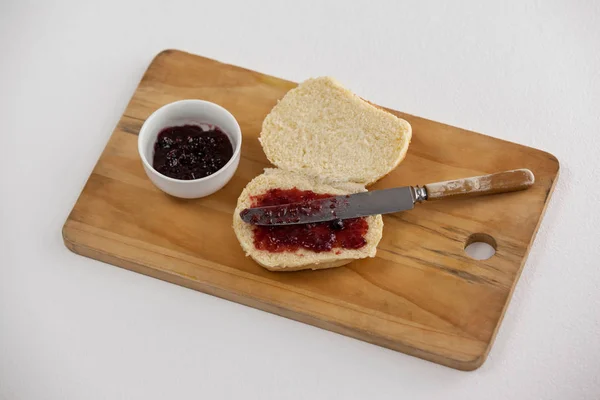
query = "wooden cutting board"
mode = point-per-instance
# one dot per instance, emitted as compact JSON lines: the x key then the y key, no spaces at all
{"x":422,"y":295}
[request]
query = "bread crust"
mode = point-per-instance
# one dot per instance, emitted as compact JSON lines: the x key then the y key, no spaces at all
{"x":314,"y":267}
{"x":322,"y":129}
{"x":326,"y":139}
{"x":301,"y":258}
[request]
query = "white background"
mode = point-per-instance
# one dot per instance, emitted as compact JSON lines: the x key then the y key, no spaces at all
{"x":73,"y":328}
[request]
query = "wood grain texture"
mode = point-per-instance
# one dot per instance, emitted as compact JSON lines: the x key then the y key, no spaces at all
{"x":422,"y":295}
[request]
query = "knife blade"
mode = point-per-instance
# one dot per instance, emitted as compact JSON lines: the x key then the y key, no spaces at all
{"x":386,"y":201}
{"x":338,"y":207}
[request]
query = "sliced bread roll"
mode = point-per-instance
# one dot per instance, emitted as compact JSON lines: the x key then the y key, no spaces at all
{"x":324,"y":130}
{"x":301,"y":258}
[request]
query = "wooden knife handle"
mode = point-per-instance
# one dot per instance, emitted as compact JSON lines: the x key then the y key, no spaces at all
{"x":501,"y":182}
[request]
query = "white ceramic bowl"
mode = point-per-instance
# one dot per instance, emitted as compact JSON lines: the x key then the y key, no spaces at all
{"x":197,"y":112}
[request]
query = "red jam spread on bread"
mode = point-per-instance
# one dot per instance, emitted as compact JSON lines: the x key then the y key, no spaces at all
{"x":190,"y":152}
{"x":318,"y":237}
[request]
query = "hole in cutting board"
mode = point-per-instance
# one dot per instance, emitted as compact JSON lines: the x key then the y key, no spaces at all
{"x":480,"y":246}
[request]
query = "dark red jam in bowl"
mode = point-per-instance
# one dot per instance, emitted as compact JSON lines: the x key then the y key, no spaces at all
{"x":190,"y":152}
{"x":318,"y":237}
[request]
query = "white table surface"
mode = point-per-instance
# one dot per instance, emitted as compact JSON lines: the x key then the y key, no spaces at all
{"x":74,"y":328}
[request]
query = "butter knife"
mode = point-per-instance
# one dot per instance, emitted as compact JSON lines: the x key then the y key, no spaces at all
{"x":387,"y":201}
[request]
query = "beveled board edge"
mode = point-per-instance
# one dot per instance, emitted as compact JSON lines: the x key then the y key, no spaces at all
{"x":82,"y":247}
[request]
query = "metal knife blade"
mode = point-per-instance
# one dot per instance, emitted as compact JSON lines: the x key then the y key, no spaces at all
{"x":339,"y":207}
{"x":388,"y":200}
